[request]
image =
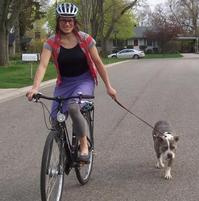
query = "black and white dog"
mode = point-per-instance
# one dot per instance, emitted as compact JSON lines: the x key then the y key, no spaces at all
{"x":165,"y":144}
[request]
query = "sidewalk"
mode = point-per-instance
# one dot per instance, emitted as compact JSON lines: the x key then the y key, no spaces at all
{"x":9,"y":94}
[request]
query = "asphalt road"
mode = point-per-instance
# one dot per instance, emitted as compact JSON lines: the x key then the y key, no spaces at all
{"x":124,"y":165}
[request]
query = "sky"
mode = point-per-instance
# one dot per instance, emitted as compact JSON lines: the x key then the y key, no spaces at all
{"x":153,"y":3}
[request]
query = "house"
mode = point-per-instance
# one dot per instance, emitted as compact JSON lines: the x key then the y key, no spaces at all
{"x":140,"y":42}
{"x":137,"y":41}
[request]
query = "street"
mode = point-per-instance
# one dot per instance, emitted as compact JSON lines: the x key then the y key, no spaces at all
{"x":124,"y":166}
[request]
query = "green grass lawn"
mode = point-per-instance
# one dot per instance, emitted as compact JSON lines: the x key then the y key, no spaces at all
{"x":18,"y":73}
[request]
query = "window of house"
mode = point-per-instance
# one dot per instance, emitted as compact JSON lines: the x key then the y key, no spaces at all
{"x":149,"y":42}
{"x":136,"y":42}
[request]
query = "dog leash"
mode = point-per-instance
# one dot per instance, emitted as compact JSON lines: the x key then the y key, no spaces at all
{"x":121,"y":105}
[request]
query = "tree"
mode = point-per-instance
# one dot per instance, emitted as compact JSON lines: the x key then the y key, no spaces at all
{"x":50,"y":18}
{"x":163,"y":28}
{"x":186,"y":14}
{"x":115,"y":10}
{"x":106,"y":17}
{"x":86,"y":7}
{"x":143,"y":13}
{"x":10,"y":11}
{"x":27,"y":18}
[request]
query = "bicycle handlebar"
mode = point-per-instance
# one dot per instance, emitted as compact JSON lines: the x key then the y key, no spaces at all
{"x":60,"y":99}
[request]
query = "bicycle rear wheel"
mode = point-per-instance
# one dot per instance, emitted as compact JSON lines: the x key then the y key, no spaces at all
{"x":83,"y":171}
{"x":52,"y":170}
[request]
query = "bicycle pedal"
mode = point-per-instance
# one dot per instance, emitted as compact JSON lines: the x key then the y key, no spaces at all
{"x":82,"y":163}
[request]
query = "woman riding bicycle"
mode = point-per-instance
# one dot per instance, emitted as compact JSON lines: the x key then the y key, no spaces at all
{"x":75,"y":57}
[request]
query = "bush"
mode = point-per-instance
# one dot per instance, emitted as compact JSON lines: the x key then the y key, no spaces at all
{"x":15,"y":57}
{"x":171,"y":47}
{"x":142,"y":47}
{"x":130,"y":46}
{"x":152,"y":50}
{"x":35,"y":46}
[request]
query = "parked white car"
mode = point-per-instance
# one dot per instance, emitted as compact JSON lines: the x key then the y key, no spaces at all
{"x":128,"y":54}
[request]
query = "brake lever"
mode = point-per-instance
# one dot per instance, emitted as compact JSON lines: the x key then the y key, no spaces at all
{"x":36,"y":97}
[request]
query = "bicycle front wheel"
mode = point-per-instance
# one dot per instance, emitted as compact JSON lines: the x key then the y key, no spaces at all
{"x":83,"y":171}
{"x":52,"y":170}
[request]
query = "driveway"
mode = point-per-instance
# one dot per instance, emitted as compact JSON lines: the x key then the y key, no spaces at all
{"x":190,"y":56}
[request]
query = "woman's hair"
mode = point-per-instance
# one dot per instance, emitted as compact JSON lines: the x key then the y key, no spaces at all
{"x":76,"y":23}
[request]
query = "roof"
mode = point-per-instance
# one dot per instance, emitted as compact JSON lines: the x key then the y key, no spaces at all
{"x":139,"y":32}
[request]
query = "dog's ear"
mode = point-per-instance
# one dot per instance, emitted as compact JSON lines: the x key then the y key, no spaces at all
{"x":160,"y":139}
{"x":176,"y":138}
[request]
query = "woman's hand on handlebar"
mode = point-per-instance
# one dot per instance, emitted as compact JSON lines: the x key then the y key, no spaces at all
{"x":30,"y":94}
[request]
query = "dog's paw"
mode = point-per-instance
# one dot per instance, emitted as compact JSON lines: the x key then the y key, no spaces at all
{"x":168,"y":173}
{"x":159,"y":165}
{"x":167,"y":176}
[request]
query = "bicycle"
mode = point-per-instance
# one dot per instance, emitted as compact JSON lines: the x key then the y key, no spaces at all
{"x":60,"y":152}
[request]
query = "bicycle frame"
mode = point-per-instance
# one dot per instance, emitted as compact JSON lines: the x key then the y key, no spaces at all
{"x":59,"y":144}
{"x":66,"y":148}
{"x":91,"y":126}
{"x":69,"y":148}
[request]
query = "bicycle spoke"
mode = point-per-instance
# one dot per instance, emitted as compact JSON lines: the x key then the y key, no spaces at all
{"x":53,"y":169}
{"x":52,"y":176}
{"x":49,"y":190}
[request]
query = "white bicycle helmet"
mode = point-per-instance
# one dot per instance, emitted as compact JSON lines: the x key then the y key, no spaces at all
{"x":67,"y":10}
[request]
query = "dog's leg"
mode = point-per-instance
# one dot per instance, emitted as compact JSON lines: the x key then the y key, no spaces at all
{"x":159,"y":163}
{"x":168,"y":170}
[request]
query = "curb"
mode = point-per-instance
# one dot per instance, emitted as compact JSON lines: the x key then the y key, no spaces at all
{"x":9,"y":94}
